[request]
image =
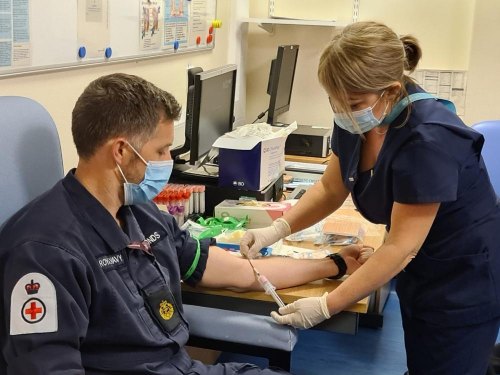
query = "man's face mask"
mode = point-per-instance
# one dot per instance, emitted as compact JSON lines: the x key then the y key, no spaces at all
{"x":155,"y":179}
{"x":364,"y":118}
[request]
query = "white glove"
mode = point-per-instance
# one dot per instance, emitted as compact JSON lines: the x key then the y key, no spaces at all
{"x":303,"y":313}
{"x":255,"y":239}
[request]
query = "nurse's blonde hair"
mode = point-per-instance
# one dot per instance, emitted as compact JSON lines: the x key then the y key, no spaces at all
{"x":366,"y":57}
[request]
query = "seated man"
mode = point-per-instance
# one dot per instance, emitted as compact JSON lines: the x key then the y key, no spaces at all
{"x":91,"y":270}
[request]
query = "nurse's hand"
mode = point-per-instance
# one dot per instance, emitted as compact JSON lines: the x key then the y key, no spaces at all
{"x":303,"y":313}
{"x":256,"y":239}
{"x":355,"y":256}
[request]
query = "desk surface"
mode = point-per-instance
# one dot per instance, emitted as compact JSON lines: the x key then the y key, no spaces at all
{"x":307,"y":159}
{"x":374,"y":237}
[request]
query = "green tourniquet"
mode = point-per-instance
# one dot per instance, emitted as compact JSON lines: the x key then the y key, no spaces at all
{"x":191,"y":269}
{"x":215,"y":226}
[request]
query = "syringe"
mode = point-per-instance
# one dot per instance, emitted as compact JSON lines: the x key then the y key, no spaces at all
{"x":268,"y":287}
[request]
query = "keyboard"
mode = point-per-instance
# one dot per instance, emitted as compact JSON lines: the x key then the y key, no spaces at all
{"x":296,"y":182}
{"x":305,"y":167}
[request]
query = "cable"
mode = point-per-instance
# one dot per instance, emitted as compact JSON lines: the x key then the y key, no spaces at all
{"x":260,"y":116}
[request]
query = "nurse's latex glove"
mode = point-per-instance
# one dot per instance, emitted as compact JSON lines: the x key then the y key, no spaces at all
{"x":303,"y":313}
{"x":255,"y":239}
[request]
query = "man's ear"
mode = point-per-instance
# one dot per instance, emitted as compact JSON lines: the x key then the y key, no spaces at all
{"x":119,"y":150}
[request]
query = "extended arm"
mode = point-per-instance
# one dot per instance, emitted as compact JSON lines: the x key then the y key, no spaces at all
{"x":224,"y":270}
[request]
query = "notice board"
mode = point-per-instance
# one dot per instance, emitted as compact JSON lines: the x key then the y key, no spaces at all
{"x":38,"y":35}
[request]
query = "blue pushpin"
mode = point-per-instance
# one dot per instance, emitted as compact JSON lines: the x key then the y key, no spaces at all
{"x":176,"y":45}
{"x":108,"y":52}
{"x":82,"y":51}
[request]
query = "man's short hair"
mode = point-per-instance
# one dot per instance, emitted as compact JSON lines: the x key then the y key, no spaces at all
{"x":119,"y":105}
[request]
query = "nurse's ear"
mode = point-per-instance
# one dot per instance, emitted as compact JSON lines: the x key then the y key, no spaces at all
{"x":393,"y":92}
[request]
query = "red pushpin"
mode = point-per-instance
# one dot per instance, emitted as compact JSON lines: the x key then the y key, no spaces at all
{"x":198,"y":39}
{"x":211,"y":30}
{"x":209,"y":38}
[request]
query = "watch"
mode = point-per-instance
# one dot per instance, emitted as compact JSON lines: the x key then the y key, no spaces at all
{"x":341,"y":265}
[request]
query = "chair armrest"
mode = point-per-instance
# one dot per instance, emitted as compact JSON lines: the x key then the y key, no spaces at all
{"x":238,"y":327}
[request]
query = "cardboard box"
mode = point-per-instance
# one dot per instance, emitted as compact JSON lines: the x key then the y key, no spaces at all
{"x":250,"y":163}
{"x":343,"y":231}
{"x":260,"y":214}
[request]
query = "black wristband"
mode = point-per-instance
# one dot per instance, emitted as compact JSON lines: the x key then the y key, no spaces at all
{"x":341,"y":265}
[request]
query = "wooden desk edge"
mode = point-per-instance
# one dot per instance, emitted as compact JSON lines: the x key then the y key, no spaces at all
{"x":308,"y":159}
{"x":288,"y":295}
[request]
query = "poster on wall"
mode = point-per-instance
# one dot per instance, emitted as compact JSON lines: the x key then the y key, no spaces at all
{"x":198,"y":16}
{"x":176,"y":23}
{"x":15,"y":46}
{"x":93,"y":27}
{"x":445,"y":84}
{"x":151,"y":24}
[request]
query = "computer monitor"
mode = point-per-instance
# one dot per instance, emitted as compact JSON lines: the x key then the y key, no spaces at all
{"x":209,"y":110}
{"x":280,"y":82}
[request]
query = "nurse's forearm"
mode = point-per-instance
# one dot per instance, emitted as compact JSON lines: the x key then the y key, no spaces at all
{"x":316,"y":204}
{"x":383,"y":265}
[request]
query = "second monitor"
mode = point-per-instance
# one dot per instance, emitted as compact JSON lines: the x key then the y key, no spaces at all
{"x":209,"y":111}
{"x":280,"y":83}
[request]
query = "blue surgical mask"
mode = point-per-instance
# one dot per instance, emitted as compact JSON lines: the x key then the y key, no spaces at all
{"x":364,"y":118}
{"x":155,"y":179}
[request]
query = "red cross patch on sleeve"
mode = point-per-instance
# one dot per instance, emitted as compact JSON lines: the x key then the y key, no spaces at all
{"x":33,"y":305}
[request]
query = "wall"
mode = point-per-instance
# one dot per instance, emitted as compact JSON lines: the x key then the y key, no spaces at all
{"x":444,"y":29}
{"x":482,"y":101}
{"x":58,"y":91}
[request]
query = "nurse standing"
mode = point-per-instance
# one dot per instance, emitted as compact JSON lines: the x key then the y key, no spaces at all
{"x":409,"y":163}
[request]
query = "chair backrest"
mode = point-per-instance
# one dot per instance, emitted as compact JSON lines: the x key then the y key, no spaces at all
{"x":491,"y":132}
{"x":31,"y":160}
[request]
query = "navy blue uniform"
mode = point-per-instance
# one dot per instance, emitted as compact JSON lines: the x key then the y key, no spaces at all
{"x":81,"y":295}
{"x":450,"y":292}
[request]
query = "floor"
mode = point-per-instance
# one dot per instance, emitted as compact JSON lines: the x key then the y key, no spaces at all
{"x":371,"y":351}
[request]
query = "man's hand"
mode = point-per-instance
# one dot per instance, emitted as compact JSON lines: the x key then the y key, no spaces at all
{"x":255,"y":239}
{"x":355,"y":256}
{"x":303,"y":313}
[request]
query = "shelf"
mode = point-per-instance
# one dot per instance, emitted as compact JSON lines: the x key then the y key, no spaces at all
{"x":269,"y":23}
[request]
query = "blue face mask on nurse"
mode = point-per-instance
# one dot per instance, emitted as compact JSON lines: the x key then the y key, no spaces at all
{"x":364,"y":119}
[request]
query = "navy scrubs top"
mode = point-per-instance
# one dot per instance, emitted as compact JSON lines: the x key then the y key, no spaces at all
{"x":455,"y":278}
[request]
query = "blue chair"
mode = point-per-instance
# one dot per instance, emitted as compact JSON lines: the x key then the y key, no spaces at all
{"x":491,"y":132}
{"x":31,"y":163}
{"x":238,"y":332}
